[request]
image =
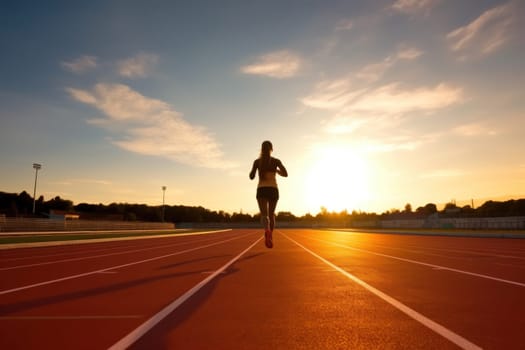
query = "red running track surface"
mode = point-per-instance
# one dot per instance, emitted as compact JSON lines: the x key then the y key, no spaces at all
{"x":315,"y":289}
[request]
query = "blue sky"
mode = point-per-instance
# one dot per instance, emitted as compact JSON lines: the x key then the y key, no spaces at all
{"x":369,"y":104}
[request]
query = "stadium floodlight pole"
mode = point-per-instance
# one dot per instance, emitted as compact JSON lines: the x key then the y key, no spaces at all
{"x":37,"y":167}
{"x":163,"y":196}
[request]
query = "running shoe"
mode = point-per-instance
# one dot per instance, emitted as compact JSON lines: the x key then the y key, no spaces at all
{"x":268,"y":239}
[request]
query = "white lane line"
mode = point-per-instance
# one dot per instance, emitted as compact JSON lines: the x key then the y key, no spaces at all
{"x":483,"y":253}
{"x":424,"y":264}
{"x":472,"y":251}
{"x":82,"y":249}
{"x":91,"y":231}
{"x":68,"y":253}
{"x":93,"y":256}
{"x":7,"y":291}
{"x":434,"y":326}
{"x":87,"y":317}
{"x":98,"y":240}
{"x":138,"y":332}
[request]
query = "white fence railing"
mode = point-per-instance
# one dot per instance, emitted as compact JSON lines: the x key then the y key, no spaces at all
{"x":500,"y":223}
{"x":30,"y":225}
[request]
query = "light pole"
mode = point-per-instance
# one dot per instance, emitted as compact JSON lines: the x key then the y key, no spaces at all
{"x":37,"y":167}
{"x":163,"y":196}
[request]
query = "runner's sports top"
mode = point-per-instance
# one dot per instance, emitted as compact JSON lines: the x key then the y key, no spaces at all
{"x":268,"y":178}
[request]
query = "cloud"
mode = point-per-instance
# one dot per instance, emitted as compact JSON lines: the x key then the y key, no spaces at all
{"x":386,"y":146}
{"x":380,"y":110}
{"x":81,"y":64}
{"x":409,"y":53}
{"x":343,"y":124}
{"x":71,"y":182}
{"x":279,"y":64}
{"x":331,"y":95}
{"x":484,"y":35}
{"x":338,"y":93}
{"x":474,"y":129}
{"x":414,"y":6}
{"x":139,"y":66}
{"x":374,"y":71}
{"x":151,"y":127}
{"x":389,"y":99}
{"x":444,"y":173}
{"x":393,"y":100}
{"x":344,"y":25}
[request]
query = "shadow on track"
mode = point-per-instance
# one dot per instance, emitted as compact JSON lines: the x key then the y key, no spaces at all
{"x":157,"y":338}
{"x":7,"y":309}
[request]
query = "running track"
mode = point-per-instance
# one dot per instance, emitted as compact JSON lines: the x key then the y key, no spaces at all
{"x":224,"y":290}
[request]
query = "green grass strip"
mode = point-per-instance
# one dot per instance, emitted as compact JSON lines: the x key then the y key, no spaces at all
{"x":81,"y":236}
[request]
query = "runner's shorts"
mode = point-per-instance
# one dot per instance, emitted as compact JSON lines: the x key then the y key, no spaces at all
{"x":270,"y":193}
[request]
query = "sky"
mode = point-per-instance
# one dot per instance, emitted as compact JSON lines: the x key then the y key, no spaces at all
{"x":370,"y":105}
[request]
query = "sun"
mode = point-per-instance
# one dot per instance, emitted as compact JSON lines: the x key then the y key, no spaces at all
{"x":336,"y":179}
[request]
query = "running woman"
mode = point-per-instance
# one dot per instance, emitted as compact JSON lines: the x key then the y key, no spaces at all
{"x":267,"y":191}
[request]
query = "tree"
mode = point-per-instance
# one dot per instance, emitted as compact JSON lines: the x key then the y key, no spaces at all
{"x":428,"y":209}
{"x":58,"y":203}
{"x":285,"y":216}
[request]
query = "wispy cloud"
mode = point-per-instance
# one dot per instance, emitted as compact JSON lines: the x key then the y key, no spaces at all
{"x":343,"y":124}
{"x":389,"y":99}
{"x":338,"y":93}
{"x":408,"y":53}
{"x":71,"y":182}
{"x":380,"y":111}
{"x":343,"y":25}
{"x":414,"y":6}
{"x":151,"y":127}
{"x":475,"y":129}
{"x":393,"y":100}
{"x":392,"y":145}
{"x":279,"y":64}
{"x":374,"y":71}
{"x":485,"y":34}
{"x":139,"y":66}
{"x":331,"y":94}
{"x":81,"y":64}
{"x":444,"y":173}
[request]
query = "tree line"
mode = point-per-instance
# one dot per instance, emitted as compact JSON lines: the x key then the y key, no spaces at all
{"x":21,"y":205}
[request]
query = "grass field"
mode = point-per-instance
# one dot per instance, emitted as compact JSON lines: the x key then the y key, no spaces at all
{"x":73,"y":236}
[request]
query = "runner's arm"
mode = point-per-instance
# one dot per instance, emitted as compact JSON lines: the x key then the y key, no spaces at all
{"x":281,"y":170}
{"x":254,"y":169}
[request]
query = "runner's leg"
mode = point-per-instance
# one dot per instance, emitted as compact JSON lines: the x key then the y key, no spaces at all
{"x":263,"y":208}
{"x":271,"y":213}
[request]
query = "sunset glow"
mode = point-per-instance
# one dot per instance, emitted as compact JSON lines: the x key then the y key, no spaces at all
{"x":337,"y":179}
{"x":370,"y":104}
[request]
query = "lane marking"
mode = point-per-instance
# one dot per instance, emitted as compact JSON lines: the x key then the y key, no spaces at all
{"x":424,"y":264}
{"x":434,"y":326}
{"x":98,"y":240}
{"x":93,"y":256}
{"x":82,"y":249}
{"x":475,"y":252}
{"x":87,"y":317}
{"x":138,"y":332}
{"x":22,"y":233}
{"x":7,"y":291}
{"x":472,"y":251}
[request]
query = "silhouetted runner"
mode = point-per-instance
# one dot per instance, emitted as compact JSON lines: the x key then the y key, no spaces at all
{"x":267,"y":191}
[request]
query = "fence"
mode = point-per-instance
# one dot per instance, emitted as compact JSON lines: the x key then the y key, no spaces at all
{"x":31,"y":225}
{"x":501,"y":223}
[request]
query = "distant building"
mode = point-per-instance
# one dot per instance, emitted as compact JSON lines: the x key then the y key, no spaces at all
{"x":63,"y":215}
